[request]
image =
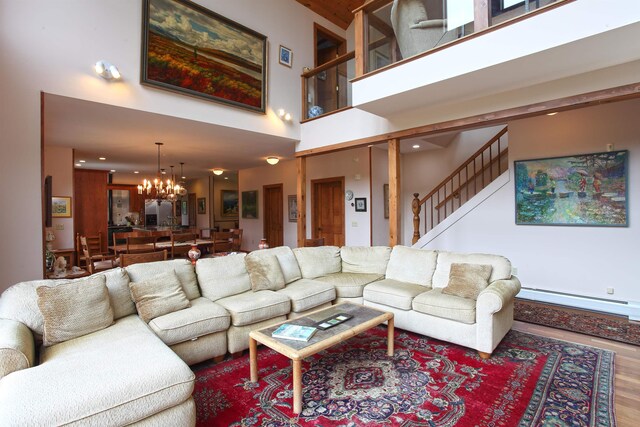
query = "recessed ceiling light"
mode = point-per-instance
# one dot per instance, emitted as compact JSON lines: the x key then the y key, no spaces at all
{"x":416,"y":145}
{"x":184,"y":177}
{"x":218,"y":171}
{"x":136,"y":171}
{"x":226,"y":177}
{"x":552,"y":114}
{"x":102,"y":158}
{"x":78,"y":164}
{"x":113,"y":170}
{"x":82,"y":161}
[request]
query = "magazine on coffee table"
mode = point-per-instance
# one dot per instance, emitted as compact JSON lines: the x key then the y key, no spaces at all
{"x":294,"y":332}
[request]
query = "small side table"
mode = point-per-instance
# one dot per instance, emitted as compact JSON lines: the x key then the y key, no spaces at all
{"x":68,"y":254}
{"x":68,"y":274}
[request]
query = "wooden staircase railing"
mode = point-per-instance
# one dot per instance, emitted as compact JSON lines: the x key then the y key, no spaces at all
{"x":466,"y":181}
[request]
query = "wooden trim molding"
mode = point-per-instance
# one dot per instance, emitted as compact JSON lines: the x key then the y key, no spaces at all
{"x":301,"y":192}
{"x":395,"y":186}
{"x":589,"y":99}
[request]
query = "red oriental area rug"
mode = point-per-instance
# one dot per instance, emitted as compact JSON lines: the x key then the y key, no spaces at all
{"x":529,"y":380}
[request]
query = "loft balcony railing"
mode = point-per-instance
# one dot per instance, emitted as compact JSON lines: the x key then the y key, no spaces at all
{"x":327,"y":89}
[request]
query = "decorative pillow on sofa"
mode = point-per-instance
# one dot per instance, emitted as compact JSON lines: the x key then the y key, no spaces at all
{"x":264,"y":272}
{"x":158,"y":295}
{"x":467,"y":280}
{"x":74,"y":309}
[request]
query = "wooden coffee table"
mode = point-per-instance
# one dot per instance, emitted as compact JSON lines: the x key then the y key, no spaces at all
{"x":364,"y":318}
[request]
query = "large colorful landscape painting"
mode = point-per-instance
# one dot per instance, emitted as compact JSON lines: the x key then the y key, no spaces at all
{"x":192,"y":50}
{"x":585,"y":189}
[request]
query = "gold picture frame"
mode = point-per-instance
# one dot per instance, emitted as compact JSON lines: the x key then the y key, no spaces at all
{"x":61,"y":207}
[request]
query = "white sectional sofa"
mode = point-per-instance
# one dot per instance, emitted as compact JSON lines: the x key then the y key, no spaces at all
{"x":133,"y":369}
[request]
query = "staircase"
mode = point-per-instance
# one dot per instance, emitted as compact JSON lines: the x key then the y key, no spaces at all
{"x":480,"y":170}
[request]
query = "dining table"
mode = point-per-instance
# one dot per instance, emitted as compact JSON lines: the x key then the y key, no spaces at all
{"x":162,"y":245}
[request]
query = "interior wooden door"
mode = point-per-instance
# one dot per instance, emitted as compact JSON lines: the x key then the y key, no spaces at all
{"x":328,"y":46}
{"x":327,"y":207}
{"x":273,"y":215}
{"x":191,"y":208}
{"x":90,"y":206}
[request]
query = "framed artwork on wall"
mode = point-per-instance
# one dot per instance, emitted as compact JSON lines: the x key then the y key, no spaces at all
{"x":228,"y":203}
{"x":178,"y":209}
{"x":583,"y":189}
{"x":361,"y":204}
{"x":61,"y":207}
{"x":202,"y":205}
{"x":250,"y":204}
{"x":285,"y":56}
{"x":192,"y":50}
{"x":293,"y":208}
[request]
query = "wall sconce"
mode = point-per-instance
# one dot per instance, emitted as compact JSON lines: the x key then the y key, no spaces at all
{"x":284,"y":115}
{"x":273,"y":160}
{"x":107,"y":71}
{"x":218,"y":172}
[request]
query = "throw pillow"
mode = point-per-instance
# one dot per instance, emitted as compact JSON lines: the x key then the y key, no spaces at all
{"x":264,"y":272}
{"x":289,"y":266}
{"x":158,"y":295}
{"x":467,"y":280}
{"x":74,"y":309}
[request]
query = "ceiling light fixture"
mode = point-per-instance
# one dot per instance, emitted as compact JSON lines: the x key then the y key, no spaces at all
{"x":272,"y":160}
{"x":416,"y":145}
{"x":78,"y":164}
{"x":218,"y":172}
{"x":136,"y":171}
{"x":157,"y":190}
{"x":102,"y":158}
{"x":112,"y":170}
{"x":107,"y":71}
{"x":284,"y":115}
{"x":552,"y":114}
{"x":81,"y":161}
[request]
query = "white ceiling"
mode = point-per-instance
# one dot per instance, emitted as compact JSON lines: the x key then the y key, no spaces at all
{"x":126,"y":138}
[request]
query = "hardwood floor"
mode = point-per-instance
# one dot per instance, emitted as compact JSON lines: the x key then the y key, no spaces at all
{"x":627,"y":368}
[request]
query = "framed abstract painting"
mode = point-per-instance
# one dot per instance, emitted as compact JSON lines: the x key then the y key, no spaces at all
{"x":583,"y":189}
{"x":189,"y":49}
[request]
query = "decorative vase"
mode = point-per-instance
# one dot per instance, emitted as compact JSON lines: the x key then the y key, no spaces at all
{"x":263,"y":244}
{"x":194,"y":254}
{"x":50,"y":259}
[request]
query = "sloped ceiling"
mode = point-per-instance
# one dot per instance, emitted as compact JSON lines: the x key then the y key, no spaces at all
{"x":337,"y":11}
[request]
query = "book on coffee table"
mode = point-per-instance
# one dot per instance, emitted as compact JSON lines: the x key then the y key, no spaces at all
{"x":294,"y":332}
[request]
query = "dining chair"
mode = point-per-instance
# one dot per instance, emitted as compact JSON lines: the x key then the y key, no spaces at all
{"x":236,"y":239}
{"x":137,"y":258}
{"x":95,"y":244}
{"x":95,"y":262}
{"x":181,"y":243}
{"x":141,"y":244}
{"x":222,"y":241}
{"x":314,"y":242}
{"x":162,"y":235}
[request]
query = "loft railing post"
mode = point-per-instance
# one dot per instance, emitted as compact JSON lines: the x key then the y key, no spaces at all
{"x":481,"y":15}
{"x":361,"y":42}
{"x":415,"y":207}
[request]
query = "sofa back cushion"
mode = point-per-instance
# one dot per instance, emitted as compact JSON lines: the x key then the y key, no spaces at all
{"x":500,"y":266}
{"x":272,"y":269}
{"x":20,"y":301}
{"x":222,"y":277}
{"x":158,"y":295}
{"x":412,"y":265}
{"x":318,"y":261}
{"x":183,"y":268}
{"x":74,"y":309}
{"x":365,"y":259}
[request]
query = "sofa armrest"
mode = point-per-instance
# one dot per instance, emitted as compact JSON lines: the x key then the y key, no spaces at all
{"x":499,"y":293}
{"x":17,"y":348}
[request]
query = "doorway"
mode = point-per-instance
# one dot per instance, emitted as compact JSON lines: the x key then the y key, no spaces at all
{"x":273,"y":215}
{"x":328,"y":83}
{"x":191,"y":209}
{"x":327,"y":210}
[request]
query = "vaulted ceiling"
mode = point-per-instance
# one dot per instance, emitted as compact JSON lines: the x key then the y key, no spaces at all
{"x":340,"y":12}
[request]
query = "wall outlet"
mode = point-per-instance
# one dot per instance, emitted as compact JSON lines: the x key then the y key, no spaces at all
{"x":354,"y":224}
{"x":59,"y":227}
{"x":514,"y":271}
{"x":610,"y":291}
{"x":609,"y":147}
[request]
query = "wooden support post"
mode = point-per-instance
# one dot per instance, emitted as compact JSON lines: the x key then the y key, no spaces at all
{"x":360,"y":27}
{"x":415,"y":206}
{"x":394,"y":192}
{"x":301,"y":164}
{"x":481,"y":15}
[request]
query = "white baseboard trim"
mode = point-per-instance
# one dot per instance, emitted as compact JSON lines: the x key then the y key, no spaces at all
{"x":622,"y":308}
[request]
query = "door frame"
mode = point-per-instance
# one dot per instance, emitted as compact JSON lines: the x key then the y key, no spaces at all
{"x":340,"y":41}
{"x":264,"y":209}
{"x":314,"y":217}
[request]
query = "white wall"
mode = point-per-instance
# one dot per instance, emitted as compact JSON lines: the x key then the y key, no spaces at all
{"x":574,"y":260}
{"x":51,"y":46}
{"x":379,"y":177}
{"x":59,"y":165}
{"x":201,"y":188}
{"x":284,"y":173}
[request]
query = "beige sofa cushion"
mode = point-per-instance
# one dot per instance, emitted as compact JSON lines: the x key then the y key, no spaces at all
{"x":318,"y":261}
{"x":118,"y":285}
{"x":182,"y":267}
{"x":435,"y":303}
{"x":74,"y":309}
{"x":411,"y":265}
{"x":289,"y":265}
{"x":349,"y":285}
{"x":251,"y":307}
{"x":392,"y":293}
{"x":467,"y":280}
{"x":158,"y":295}
{"x":202,"y":318}
{"x":223,"y":276}
{"x":115,"y":376}
{"x":364,"y":259}
{"x":306,"y":294}
{"x":264,"y":271}
{"x":501,"y":266}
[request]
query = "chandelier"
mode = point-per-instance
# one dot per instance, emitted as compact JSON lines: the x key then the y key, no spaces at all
{"x":160,"y":190}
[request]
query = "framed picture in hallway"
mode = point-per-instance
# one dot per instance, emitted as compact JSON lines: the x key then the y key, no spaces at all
{"x":61,"y":207}
{"x":229,"y":203}
{"x":250,"y":204}
{"x":202,"y":205}
{"x":192,"y":50}
{"x":361,"y":204}
{"x":293,"y":208}
{"x":583,"y":189}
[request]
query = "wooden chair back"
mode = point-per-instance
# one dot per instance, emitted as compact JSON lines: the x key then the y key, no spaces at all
{"x":314,"y":242}
{"x":236,"y":239}
{"x":162,"y":235}
{"x":128,"y":259}
{"x":94,"y":243}
{"x":179,"y":250}
{"x":120,"y":237}
{"x":95,"y":261}
{"x":141,"y":244}
{"x":222,"y":241}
